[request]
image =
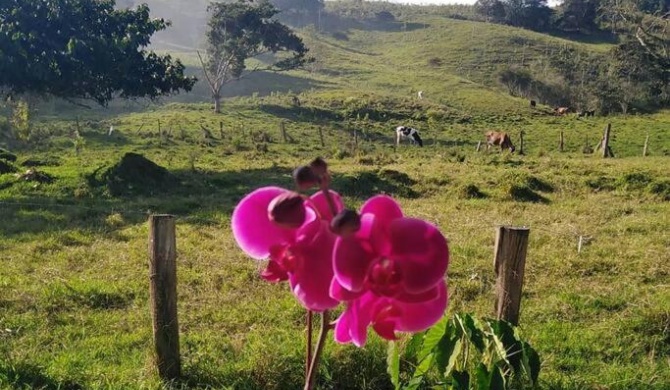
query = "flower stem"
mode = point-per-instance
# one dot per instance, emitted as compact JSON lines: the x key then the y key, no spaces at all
{"x":308,"y":354}
{"x":313,"y":368}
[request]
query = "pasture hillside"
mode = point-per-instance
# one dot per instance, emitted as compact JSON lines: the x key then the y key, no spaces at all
{"x":74,"y":296}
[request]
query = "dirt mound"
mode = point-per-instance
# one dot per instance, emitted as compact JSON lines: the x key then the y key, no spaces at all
{"x":134,"y":175}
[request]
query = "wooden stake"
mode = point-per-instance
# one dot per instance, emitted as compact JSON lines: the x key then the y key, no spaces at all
{"x":479,"y":146}
{"x":646,"y":144}
{"x":509,"y":263}
{"x":606,"y":140}
{"x":560,"y":142}
{"x":221,"y":129}
{"x":163,"y":294}
{"x":521,"y":143}
{"x":579,"y":244}
{"x":282,"y":127}
{"x":323,"y":144}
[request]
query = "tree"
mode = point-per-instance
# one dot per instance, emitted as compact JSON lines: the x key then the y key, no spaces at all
{"x":83,"y":49}
{"x":493,"y":10}
{"x":241,"y":31}
{"x":578,"y":15}
{"x":530,"y":14}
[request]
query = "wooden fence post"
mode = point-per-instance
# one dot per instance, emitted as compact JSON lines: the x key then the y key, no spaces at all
{"x":221,"y":129}
{"x":282,"y":127}
{"x":323,"y":144}
{"x":479,"y":146}
{"x":646,"y":144}
{"x":560,"y":142}
{"x":163,"y":294}
{"x":521,"y":143}
{"x":509,"y":263}
{"x":606,"y":140}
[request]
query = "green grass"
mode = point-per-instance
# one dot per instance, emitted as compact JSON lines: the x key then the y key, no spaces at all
{"x":74,"y":297}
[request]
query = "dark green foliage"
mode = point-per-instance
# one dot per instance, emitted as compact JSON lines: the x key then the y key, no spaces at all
{"x":49,"y":161}
{"x":242,"y":30}
{"x":6,"y":167}
{"x":470,"y":191}
{"x":577,"y":15}
{"x":133,"y":175}
{"x":464,"y":351}
{"x":522,"y":193}
{"x":84,"y":49}
{"x":633,"y":181}
{"x":7,"y":156}
{"x":660,"y":188}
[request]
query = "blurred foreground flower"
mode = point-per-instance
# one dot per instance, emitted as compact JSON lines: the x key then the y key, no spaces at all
{"x":390,"y":273}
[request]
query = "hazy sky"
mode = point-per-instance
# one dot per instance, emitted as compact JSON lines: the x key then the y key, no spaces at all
{"x":551,"y":2}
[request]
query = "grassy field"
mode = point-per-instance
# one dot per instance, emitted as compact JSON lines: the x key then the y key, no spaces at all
{"x":74,"y":297}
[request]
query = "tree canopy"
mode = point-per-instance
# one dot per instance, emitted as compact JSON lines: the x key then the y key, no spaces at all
{"x":243,"y":30}
{"x":83,"y":49}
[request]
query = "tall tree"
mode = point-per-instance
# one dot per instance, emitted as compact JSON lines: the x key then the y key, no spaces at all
{"x":530,"y":14}
{"x":83,"y":49}
{"x":493,"y":10}
{"x":243,"y":30}
{"x":578,"y":15}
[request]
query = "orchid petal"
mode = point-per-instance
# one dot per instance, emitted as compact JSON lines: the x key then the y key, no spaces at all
{"x":350,"y":263}
{"x":312,"y":279}
{"x":254,"y":232}
{"x":421,"y":252}
{"x":320,"y":203}
{"x":384,"y":208}
{"x":416,"y":317}
{"x":340,"y":293}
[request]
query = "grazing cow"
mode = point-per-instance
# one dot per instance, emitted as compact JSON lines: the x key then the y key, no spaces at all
{"x":586,"y":113}
{"x":408,"y":132}
{"x":561,"y":110}
{"x":497,"y":138}
{"x":420,"y":95}
{"x":533,"y":103}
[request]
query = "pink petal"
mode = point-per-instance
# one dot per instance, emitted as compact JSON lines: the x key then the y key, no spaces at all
{"x":311,"y":281}
{"x":352,"y":326}
{"x":320,"y":202}
{"x":252,"y":229}
{"x":340,"y":293}
{"x":342,"y":327}
{"x":421,"y":251}
{"x":350,"y":262}
{"x":416,"y":317}
{"x":384,"y":208}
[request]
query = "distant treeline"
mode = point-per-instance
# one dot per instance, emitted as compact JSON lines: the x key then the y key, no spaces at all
{"x":633,"y":74}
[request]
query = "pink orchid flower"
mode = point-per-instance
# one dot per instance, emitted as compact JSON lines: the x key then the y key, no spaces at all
{"x":391,"y":273}
{"x":302,"y":254}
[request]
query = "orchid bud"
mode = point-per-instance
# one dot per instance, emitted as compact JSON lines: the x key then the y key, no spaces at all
{"x":346,"y":222}
{"x":319,"y":167}
{"x":305,"y":178}
{"x":287,"y":210}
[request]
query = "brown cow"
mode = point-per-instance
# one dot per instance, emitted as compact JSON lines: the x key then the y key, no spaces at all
{"x":561,"y":110}
{"x":501,"y":139}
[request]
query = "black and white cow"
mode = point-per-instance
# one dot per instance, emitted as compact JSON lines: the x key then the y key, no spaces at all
{"x":408,"y":132}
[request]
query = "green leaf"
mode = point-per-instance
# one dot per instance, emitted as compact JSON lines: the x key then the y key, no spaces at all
{"x":393,"y":364}
{"x":432,"y":337}
{"x":413,"y":384}
{"x":413,"y":346}
{"x":531,"y":362}
{"x":483,"y":377}
{"x":473,"y":329}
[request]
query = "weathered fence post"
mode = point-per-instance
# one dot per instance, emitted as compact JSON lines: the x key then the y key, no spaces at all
{"x":521,"y":143}
{"x":282,"y":127}
{"x":163,"y":294}
{"x":221,"y":129}
{"x":606,"y":141}
{"x":355,"y":139}
{"x":509,"y":263}
{"x":560,"y":142}
{"x":323,"y":144}
{"x":646,"y":144}
{"x":479,"y":146}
